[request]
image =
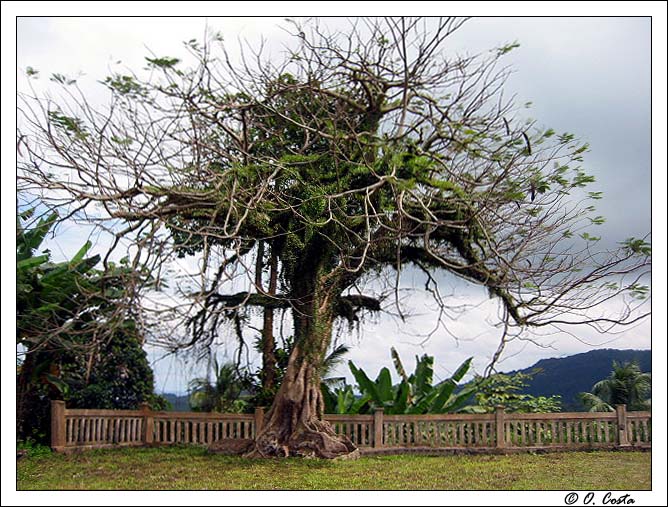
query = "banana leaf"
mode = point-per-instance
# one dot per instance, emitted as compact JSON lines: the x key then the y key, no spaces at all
{"x":447,"y":387}
{"x":31,"y":262}
{"x":459,"y":400}
{"x":398,"y":364}
{"x":80,"y":254}
{"x":384,"y":385}
{"x":29,"y":240}
{"x":365,"y":384}
{"x":401,"y":398}
{"x":424,"y":374}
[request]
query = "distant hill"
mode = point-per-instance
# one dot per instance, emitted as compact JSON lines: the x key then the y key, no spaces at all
{"x":568,"y":376}
{"x":179,"y":403}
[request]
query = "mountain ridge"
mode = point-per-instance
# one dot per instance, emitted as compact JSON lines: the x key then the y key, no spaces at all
{"x":567,"y":376}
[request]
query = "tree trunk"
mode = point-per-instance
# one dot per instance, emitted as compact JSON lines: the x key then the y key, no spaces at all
{"x":33,"y":396}
{"x":268,"y":342}
{"x":293,"y":425}
{"x":25,"y":398}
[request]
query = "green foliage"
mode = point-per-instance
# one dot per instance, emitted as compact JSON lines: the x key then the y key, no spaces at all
{"x":263,"y":397}
{"x":503,"y":389}
{"x":638,"y":291}
{"x":507,"y":48}
{"x":224,"y":394}
{"x":343,"y":401}
{"x":120,"y":376}
{"x":626,"y":385}
{"x":163,"y":63}
{"x":638,"y":246}
{"x":588,"y":237}
{"x":594,"y":403}
{"x":62,"y":79}
{"x":126,"y":86}
{"x":121,"y":141}
{"x":69,"y":124}
{"x":62,"y":309}
{"x":415,"y":394}
{"x":47,"y":294}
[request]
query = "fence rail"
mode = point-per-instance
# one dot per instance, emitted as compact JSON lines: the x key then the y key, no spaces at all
{"x":73,"y":429}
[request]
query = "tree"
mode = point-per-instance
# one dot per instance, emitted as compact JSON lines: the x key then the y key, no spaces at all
{"x":264,"y":395}
{"x":355,"y":155}
{"x":504,"y":389}
{"x":626,"y":385}
{"x":270,"y":361}
{"x":223,"y":395}
{"x":117,"y":375}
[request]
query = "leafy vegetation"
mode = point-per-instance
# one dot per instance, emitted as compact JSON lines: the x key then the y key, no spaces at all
{"x":415,"y":394}
{"x":48,"y":297}
{"x":75,"y":338}
{"x":506,"y":390}
{"x":262,"y":396}
{"x":627,"y":384}
{"x":221,"y":395}
{"x":192,"y":468}
{"x":232,"y":390}
{"x":119,"y":376}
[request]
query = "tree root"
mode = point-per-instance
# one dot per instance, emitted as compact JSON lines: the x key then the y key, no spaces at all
{"x":315,"y":439}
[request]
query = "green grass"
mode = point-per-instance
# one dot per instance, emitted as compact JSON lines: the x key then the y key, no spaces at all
{"x":193,"y":468}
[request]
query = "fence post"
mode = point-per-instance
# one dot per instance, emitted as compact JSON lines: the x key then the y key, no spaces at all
{"x":378,"y":427}
{"x":500,"y":426}
{"x":147,"y":424}
{"x":57,"y":425}
{"x":622,"y":436}
{"x":259,"y":420}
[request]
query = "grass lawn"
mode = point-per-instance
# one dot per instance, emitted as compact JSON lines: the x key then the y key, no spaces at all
{"x":193,"y":468}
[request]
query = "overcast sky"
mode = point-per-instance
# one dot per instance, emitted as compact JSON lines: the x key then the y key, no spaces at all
{"x":583,"y":75}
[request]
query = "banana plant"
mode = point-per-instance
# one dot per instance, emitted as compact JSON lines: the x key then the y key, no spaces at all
{"x":414,"y":394}
{"x":343,"y":401}
{"x":47,"y":293}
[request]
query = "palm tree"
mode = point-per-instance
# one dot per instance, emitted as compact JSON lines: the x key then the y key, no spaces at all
{"x":625,"y":385}
{"x":329,"y":384}
{"x":330,"y":363}
{"x":223,"y":395}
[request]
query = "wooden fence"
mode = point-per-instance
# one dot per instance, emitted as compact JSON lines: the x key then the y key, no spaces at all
{"x":74,"y":429}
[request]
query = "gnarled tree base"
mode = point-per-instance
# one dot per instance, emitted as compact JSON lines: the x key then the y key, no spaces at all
{"x":313,"y":439}
{"x":294,"y":425}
